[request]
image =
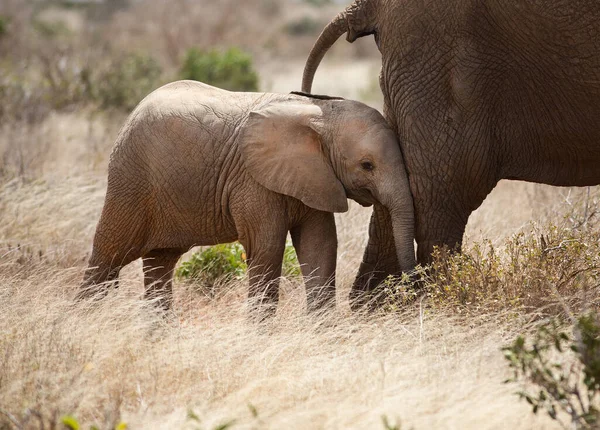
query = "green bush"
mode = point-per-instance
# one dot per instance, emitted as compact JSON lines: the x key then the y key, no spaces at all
{"x":66,"y":79}
{"x":226,"y":262}
{"x":127,"y":81}
{"x":19,"y":101}
{"x":218,"y":263}
{"x":52,"y":29}
{"x":231,"y":70}
{"x":318,"y":3}
{"x":560,"y":372}
{"x":303,"y":26}
{"x":3,"y":25}
{"x":291,"y":267}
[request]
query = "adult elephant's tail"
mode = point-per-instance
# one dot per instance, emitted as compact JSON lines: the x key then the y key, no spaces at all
{"x":357,"y":20}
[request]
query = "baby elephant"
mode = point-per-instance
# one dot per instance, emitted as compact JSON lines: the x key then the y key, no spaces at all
{"x":197,"y":165}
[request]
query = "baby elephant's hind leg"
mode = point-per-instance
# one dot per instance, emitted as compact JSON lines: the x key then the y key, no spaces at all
{"x":158,"y":275}
{"x":101,"y":274}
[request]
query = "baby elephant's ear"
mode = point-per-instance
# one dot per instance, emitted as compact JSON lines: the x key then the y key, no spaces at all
{"x":282,"y":151}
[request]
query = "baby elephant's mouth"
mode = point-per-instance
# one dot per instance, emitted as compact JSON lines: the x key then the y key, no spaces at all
{"x":362,"y":196}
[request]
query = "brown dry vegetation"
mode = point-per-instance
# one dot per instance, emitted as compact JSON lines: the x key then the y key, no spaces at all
{"x":435,"y":363}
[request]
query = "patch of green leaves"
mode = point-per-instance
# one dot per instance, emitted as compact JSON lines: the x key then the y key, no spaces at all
{"x":560,"y":371}
{"x":227,"y":262}
{"x":291,"y":267}
{"x":231,"y":70}
{"x":52,"y":29}
{"x":3,"y":25}
{"x":223,"y":262}
{"x":127,"y":81}
{"x":305,"y":25}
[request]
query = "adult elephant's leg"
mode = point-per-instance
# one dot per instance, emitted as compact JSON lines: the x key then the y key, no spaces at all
{"x":379,"y":259}
{"x":315,"y":241}
{"x":440,"y":227}
{"x":441,"y":216}
{"x":158,"y":276}
{"x":264,"y":249}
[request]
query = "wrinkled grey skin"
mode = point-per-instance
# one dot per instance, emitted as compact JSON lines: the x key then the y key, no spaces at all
{"x":197,"y":165}
{"x":477,"y":91}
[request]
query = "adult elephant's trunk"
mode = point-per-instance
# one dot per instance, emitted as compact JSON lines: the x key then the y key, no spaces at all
{"x":356,"y":20}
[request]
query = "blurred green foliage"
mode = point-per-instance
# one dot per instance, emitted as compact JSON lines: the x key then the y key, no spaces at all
{"x":51,"y":30}
{"x":128,"y":80}
{"x":231,"y":70}
{"x":3,"y":25}
{"x":305,"y":25}
{"x":318,"y":3}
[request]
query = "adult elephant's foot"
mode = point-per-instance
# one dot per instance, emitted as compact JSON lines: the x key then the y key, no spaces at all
{"x":365,"y":293}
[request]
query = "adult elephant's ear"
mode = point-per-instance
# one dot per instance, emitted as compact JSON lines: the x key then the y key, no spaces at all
{"x":282,"y":150}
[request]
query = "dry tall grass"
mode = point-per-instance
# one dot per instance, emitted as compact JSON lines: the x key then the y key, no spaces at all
{"x":116,"y":360}
{"x":427,"y":366}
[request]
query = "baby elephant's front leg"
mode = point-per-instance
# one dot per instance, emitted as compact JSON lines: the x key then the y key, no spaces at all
{"x":265,"y":256}
{"x":315,"y":241}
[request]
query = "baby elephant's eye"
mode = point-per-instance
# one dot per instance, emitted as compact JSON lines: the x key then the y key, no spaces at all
{"x":367,"y":165}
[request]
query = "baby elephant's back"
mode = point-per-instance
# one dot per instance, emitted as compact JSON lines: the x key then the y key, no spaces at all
{"x":173,"y":153}
{"x":187,"y":119}
{"x":183,"y":127}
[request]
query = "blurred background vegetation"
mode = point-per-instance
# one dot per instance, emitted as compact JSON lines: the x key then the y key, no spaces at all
{"x":72,"y":70}
{"x":96,"y":59}
{"x":57,"y":55}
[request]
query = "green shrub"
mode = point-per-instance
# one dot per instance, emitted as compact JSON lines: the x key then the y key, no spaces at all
{"x":318,"y":3}
{"x":303,"y":26}
{"x":231,"y":70}
{"x":226,"y":262}
{"x":559,"y":371}
{"x":65,"y":79}
{"x":51,"y":29}
{"x":223,"y":262}
{"x":19,"y":101}
{"x":3,"y":25}
{"x":127,"y":81}
{"x":290,"y":267}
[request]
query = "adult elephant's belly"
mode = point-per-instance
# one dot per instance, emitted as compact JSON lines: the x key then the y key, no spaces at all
{"x":569,"y":160}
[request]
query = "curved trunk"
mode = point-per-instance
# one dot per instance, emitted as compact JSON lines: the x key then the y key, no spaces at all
{"x":327,"y":38}
{"x":357,"y":20}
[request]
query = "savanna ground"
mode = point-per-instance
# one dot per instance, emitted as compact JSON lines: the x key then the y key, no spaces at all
{"x":531,"y":252}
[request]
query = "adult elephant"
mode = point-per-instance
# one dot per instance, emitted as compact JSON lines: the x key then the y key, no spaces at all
{"x":477,"y":91}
